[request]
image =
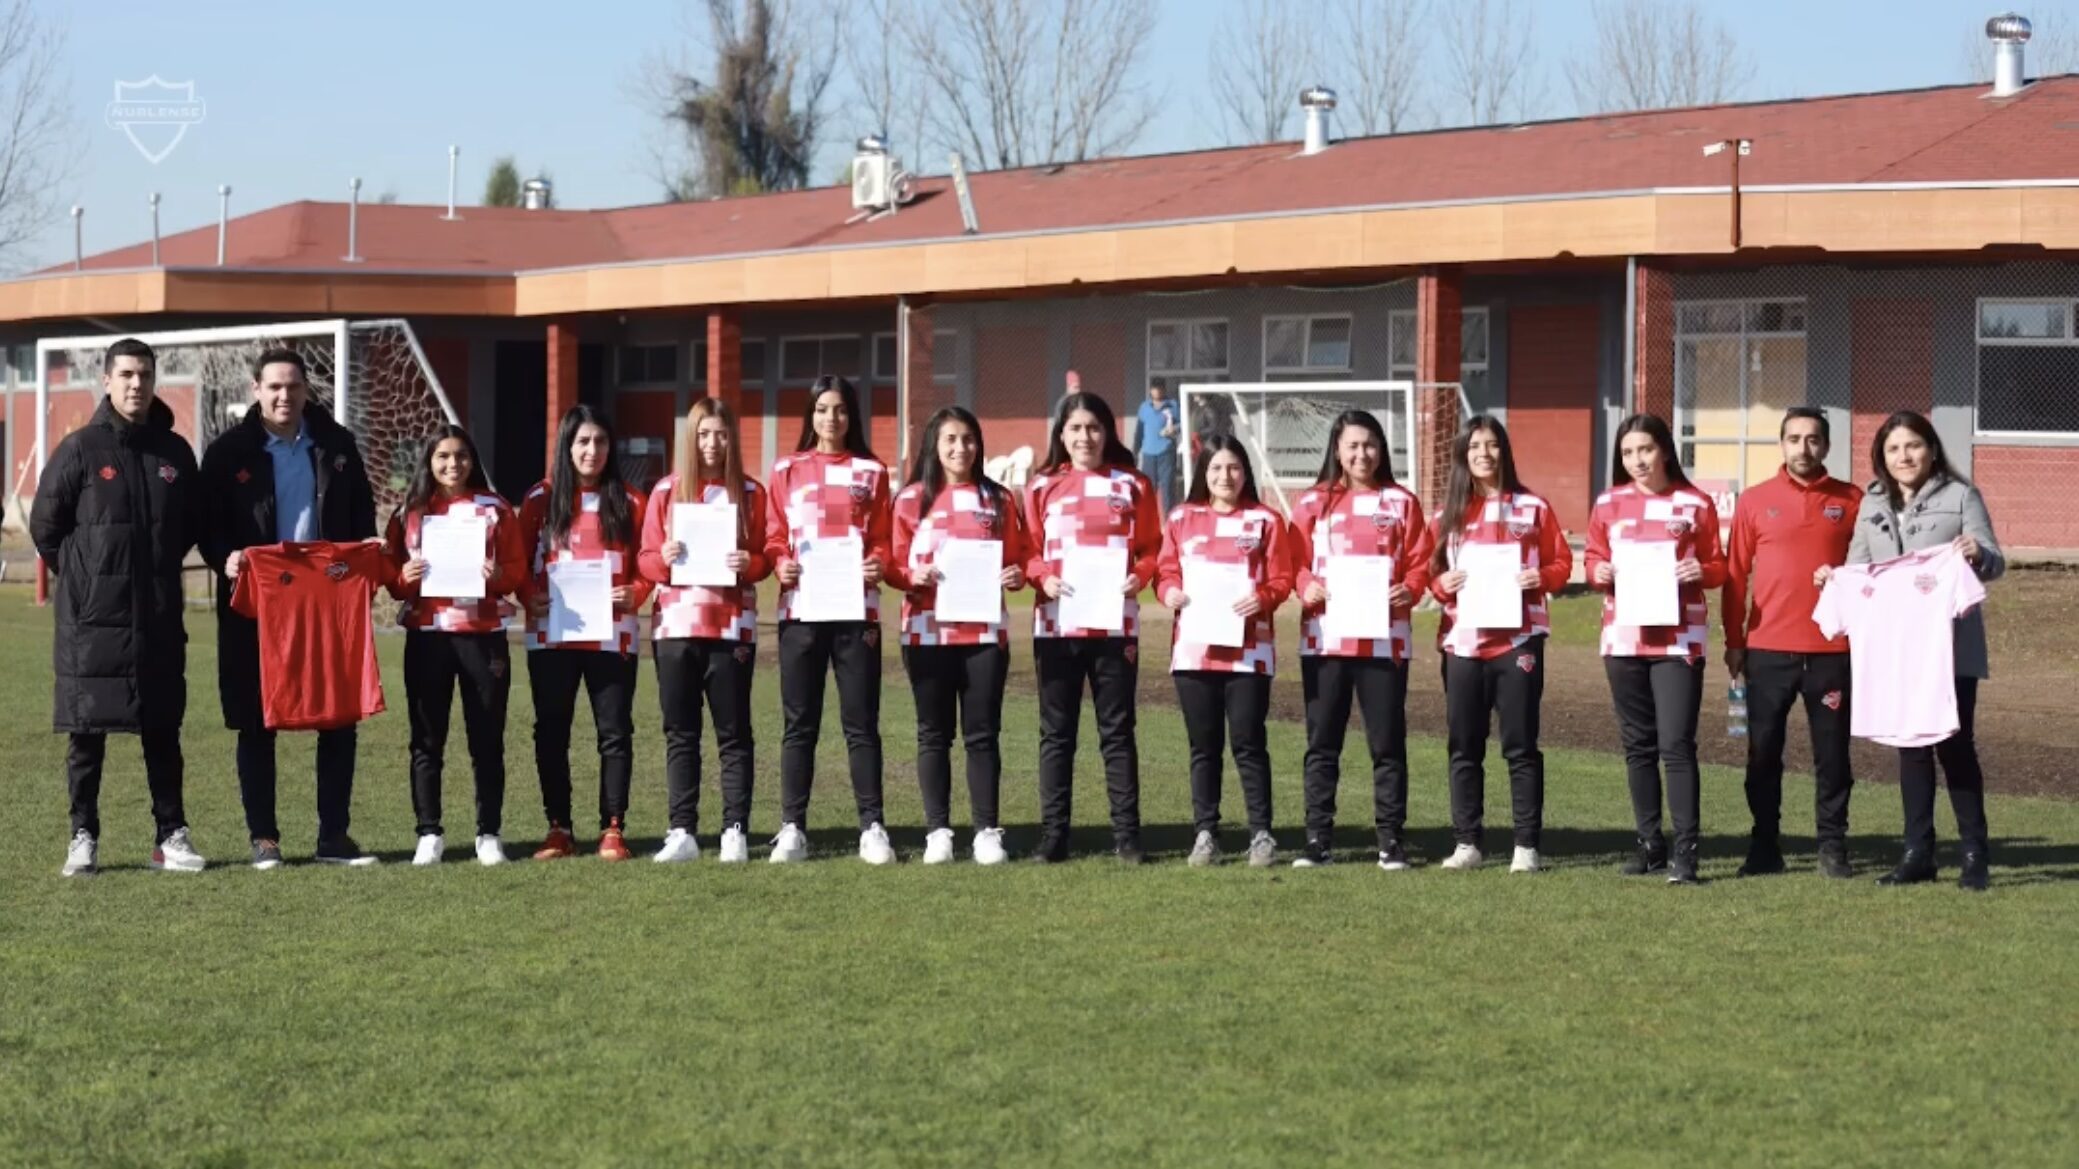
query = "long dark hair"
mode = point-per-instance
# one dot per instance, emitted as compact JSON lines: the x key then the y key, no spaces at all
{"x":855,"y":424}
{"x":1115,"y":452}
{"x":616,"y":519}
{"x":1202,"y":493}
{"x":926,"y":468}
{"x":1652,"y":427}
{"x":423,"y":488}
{"x":1332,"y":468}
{"x":1458,"y":495}
{"x":1938,"y":461}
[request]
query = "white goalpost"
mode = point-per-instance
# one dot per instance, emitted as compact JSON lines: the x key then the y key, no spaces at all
{"x":1285,"y":426}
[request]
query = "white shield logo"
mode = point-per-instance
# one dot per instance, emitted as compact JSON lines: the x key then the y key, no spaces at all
{"x":154,"y":114}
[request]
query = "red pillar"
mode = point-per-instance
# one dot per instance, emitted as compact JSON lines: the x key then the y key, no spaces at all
{"x":1653,"y":343}
{"x":563,"y":379}
{"x":921,"y":394}
{"x":725,"y":358}
{"x":1438,"y":348}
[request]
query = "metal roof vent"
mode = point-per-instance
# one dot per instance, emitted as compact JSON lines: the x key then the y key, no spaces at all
{"x":537,"y":195}
{"x":2008,"y":32}
{"x":1317,"y":101}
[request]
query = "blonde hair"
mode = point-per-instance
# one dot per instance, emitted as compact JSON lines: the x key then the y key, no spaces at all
{"x":686,"y":465}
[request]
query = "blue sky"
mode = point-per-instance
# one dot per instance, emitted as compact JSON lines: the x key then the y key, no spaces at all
{"x":302,"y":96}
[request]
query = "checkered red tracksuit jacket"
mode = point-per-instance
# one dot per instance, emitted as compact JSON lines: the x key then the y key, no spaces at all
{"x":697,"y":611}
{"x":1332,"y":520}
{"x":821,"y":495}
{"x":960,"y":512}
{"x":502,"y":547}
{"x":1111,"y":507}
{"x":1687,"y":517}
{"x":584,"y":542}
{"x":1521,"y":518}
{"x":1254,"y":535}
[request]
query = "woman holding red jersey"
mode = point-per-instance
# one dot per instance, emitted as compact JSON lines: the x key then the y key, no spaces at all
{"x":706,"y":634}
{"x":450,"y":639}
{"x":1494,"y":669}
{"x":1656,"y":672}
{"x":583,"y":512}
{"x":1088,"y":503}
{"x":956,"y":667}
{"x":1223,"y":533}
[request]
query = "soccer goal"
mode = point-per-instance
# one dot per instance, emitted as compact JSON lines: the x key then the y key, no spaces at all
{"x":372,"y":375}
{"x":1285,"y":425}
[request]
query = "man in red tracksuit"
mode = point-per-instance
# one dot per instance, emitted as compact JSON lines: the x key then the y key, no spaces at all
{"x":1783,"y":532}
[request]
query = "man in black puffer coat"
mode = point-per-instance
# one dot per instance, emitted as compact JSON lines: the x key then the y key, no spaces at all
{"x":117,"y":509}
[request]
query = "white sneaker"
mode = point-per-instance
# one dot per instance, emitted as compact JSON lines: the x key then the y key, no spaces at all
{"x":790,"y":845}
{"x":736,"y":847}
{"x":1465,"y":856}
{"x":1525,"y":861}
{"x":432,"y":847}
{"x":874,"y":848}
{"x":989,"y":847}
{"x":490,"y":851}
{"x":938,"y":846}
{"x":82,"y":856}
{"x":679,"y":845}
{"x":176,"y":854}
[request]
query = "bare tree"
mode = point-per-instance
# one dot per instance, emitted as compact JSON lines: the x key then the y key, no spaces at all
{"x":1656,"y":54}
{"x":1492,"y":61}
{"x":749,"y":121}
{"x":1262,"y":55}
{"x":1026,"y":82}
{"x":2053,"y":48}
{"x":35,"y":154}
{"x":1381,"y":42}
{"x":888,"y":95}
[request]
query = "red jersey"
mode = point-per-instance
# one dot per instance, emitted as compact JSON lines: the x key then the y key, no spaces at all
{"x":922,"y":526}
{"x":815,"y":494}
{"x":317,"y":642}
{"x":1255,"y":536}
{"x":585,"y":541}
{"x":501,"y":547}
{"x":717,"y":614}
{"x":1111,"y":507}
{"x":1783,"y":531}
{"x":1687,"y":517}
{"x":1336,"y":521}
{"x":1525,"y":520}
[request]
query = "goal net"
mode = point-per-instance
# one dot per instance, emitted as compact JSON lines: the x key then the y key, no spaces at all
{"x":372,"y":375}
{"x":1285,"y":426}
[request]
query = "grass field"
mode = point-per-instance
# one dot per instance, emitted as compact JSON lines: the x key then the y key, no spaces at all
{"x":831,"y":1014}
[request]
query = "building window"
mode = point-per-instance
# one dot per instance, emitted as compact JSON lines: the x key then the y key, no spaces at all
{"x":1306,"y":348}
{"x":1186,"y":351}
{"x":945,"y":357}
{"x":1738,"y":365}
{"x":804,"y":359}
{"x":648,"y":365}
{"x":2028,"y":367}
{"x":1472,"y":350}
{"x":24,"y":361}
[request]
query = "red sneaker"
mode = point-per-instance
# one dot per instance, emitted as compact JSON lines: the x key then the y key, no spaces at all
{"x":611,"y":846}
{"x":558,"y":845}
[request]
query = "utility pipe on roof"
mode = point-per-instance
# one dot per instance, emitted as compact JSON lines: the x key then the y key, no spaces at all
{"x":223,"y":219}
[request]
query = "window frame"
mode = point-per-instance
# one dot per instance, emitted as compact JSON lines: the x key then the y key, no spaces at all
{"x":821,"y":339}
{"x":648,"y":348}
{"x":1306,"y":369}
{"x":1405,"y":372}
{"x":940,"y":375}
{"x":1980,"y":342}
{"x":1743,"y":336}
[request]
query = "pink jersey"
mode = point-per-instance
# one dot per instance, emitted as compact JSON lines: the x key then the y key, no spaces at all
{"x":502,"y":547}
{"x":1111,"y":507}
{"x":1527,"y":521}
{"x":1687,"y":517}
{"x":585,"y":541}
{"x":819,"y":495}
{"x":1255,"y":536}
{"x":1335,"y":521}
{"x":1899,"y":618}
{"x":716,"y":614}
{"x":921,"y":527}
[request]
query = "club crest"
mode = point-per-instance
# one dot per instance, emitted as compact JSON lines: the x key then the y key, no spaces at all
{"x":986,"y":516}
{"x":860,"y":492}
{"x":1528,"y":663}
{"x":107,"y":474}
{"x":1831,"y":700}
{"x":1835,"y":513}
{"x":1248,"y":541}
{"x":1385,"y":521}
{"x":1774,"y":512}
{"x":742,"y":654}
{"x":1119,"y":503}
{"x":1869,"y":591}
{"x":337,"y":570}
{"x":167,"y":472}
{"x":286,"y":578}
{"x":1678,"y":528}
{"x":339,"y":462}
{"x":871,"y":635}
{"x":243,"y":476}
{"x":1519,"y":529}
{"x":1925,"y":582}
{"x":1132,"y":653}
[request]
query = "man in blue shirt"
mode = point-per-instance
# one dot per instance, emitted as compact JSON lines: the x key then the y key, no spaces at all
{"x":1155,"y":441}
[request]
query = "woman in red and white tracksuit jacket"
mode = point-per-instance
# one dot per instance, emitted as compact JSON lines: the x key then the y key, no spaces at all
{"x":1657,"y":672}
{"x":451,"y":639}
{"x":1224,"y":690}
{"x":706,"y":637}
{"x":583,"y":511}
{"x":1356,"y":509}
{"x":831,"y":487}
{"x":1088,"y":495}
{"x":955,"y":667}
{"x":1492,"y":670}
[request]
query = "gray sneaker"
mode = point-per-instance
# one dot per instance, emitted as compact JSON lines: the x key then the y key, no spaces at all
{"x":1204,"y":851}
{"x":1263,"y":851}
{"x":82,"y":856}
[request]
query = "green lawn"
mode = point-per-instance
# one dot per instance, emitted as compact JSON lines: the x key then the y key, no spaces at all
{"x":831,"y":1014}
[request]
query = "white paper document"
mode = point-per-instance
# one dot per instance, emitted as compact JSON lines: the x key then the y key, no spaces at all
{"x":581,"y":601}
{"x":1094,"y":601}
{"x":1490,"y":597}
{"x":708,"y":530}
{"x":453,"y":548}
{"x":1213,"y":588}
{"x":1357,"y":606}
{"x":832,"y":587}
{"x":970,"y":587}
{"x":1647,"y":593}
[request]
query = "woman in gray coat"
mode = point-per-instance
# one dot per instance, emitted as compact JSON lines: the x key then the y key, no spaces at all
{"x":1917,"y":502}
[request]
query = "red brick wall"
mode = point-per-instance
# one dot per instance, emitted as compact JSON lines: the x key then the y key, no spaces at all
{"x":563,"y":382}
{"x":1439,"y":324}
{"x":1892,"y":368}
{"x":1653,"y":353}
{"x":2013,"y":480}
{"x":1097,"y":352}
{"x":449,"y":357}
{"x":1010,"y":397}
{"x":1553,"y":364}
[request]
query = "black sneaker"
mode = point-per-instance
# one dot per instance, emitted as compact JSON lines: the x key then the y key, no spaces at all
{"x":1128,"y":850}
{"x":1053,"y":848}
{"x":1764,"y":859}
{"x":1314,"y":854}
{"x":1392,"y":857}
{"x":1652,"y":857}
{"x":341,"y":850}
{"x":1917,"y":867}
{"x":267,"y":854}
{"x":1977,"y":863}
{"x":1682,"y":867}
{"x":1833,"y":861}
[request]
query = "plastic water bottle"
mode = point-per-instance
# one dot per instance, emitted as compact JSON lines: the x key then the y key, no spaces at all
{"x":1736,"y":710}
